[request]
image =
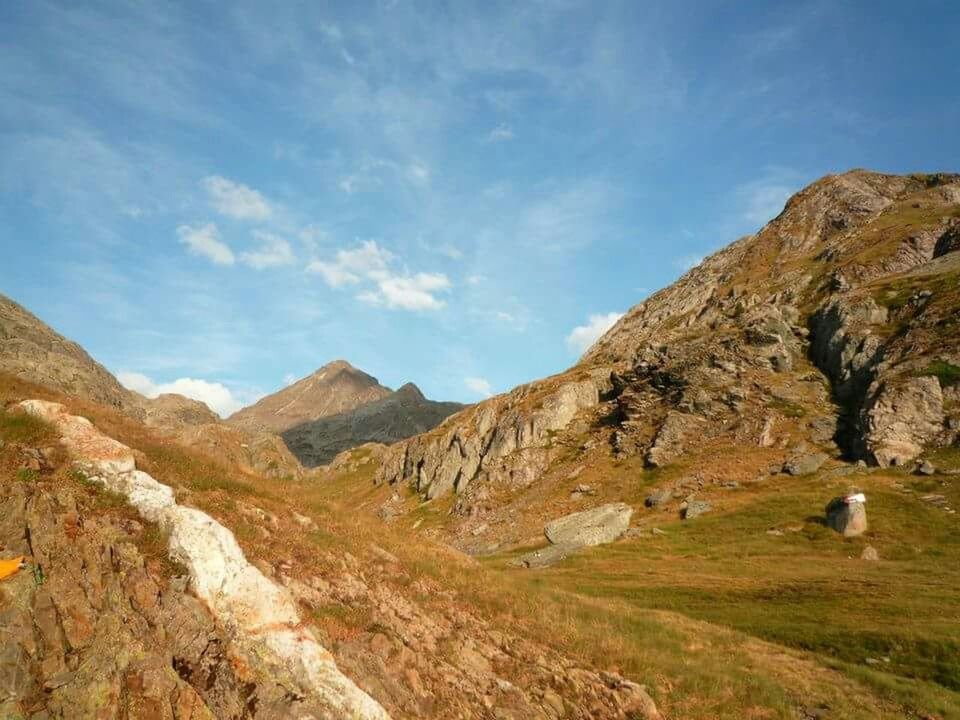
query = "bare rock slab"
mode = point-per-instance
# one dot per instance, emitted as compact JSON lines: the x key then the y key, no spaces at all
{"x":600,"y":525}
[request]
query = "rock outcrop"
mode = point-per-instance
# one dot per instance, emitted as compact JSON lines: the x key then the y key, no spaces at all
{"x":902,"y":418}
{"x":505,"y":439}
{"x":260,"y":617}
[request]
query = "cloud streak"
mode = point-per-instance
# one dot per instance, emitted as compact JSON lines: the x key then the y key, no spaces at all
{"x":204,"y":240}
{"x":236,"y":200}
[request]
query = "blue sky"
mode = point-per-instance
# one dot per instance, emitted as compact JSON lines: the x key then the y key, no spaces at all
{"x":219,"y":197}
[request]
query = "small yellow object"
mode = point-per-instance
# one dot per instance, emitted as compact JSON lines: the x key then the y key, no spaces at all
{"x":10,"y":567}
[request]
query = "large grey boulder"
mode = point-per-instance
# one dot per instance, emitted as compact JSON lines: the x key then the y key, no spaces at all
{"x":805,"y":464}
{"x":600,"y":525}
{"x":847,"y":515}
{"x":902,"y":418}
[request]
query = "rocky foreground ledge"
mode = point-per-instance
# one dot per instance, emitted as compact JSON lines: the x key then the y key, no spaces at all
{"x":260,"y":616}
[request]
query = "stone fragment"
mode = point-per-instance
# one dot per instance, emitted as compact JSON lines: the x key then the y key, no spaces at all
{"x":805,"y":464}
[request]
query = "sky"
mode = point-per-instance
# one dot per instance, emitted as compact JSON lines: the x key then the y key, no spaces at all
{"x":219,"y":198}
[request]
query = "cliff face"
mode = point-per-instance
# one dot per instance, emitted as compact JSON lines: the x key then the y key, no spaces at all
{"x":858,"y":276}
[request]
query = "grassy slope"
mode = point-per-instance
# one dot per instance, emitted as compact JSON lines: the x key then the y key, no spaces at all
{"x":714,"y":616}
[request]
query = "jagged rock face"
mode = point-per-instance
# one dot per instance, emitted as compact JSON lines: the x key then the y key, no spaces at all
{"x":33,"y":351}
{"x":502,"y":440}
{"x":721,"y":355}
{"x":397,"y":416}
{"x":902,"y":418}
{"x":335,"y":388}
{"x":260,"y":616}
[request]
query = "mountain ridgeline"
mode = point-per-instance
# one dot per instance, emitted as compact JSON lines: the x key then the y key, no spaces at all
{"x":339,"y":407}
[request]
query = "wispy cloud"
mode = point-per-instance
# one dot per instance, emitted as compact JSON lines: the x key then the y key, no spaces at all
{"x":273,"y":252}
{"x":370,"y":263}
{"x":762,"y":199}
{"x":204,"y":240}
{"x":501,"y":133}
{"x":583,"y":336}
{"x":236,"y":200}
{"x":478,"y":385}
{"x":412,"y":292}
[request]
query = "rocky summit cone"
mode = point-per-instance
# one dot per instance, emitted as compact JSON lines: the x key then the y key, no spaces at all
{"x":335,"y":388}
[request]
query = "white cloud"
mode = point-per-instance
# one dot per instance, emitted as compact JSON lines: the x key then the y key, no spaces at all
{"x":583,"y":336}
{"x":289,"y":379}
{"x":501,"y":133}
{"x":371,"y":263}
{"x":236,"y":200}
{"x":367,"y":260}
{"x":480,"y":386}
{"x":217,"y":396}
{"x":274,"y":251}
{"x":414,"y":292}
{"x":418,"y":173}
{"x":205,"y":240}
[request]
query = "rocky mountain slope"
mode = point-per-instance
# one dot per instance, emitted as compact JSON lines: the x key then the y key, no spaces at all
{"x":397,"y":416}
{"x":33,"y":351}
{"x":832,"y":330}
{"x":335,"y":388}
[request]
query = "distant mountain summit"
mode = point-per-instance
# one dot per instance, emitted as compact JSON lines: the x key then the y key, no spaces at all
{"x":397,"y":416}
{"x":335,"y":388}
{"x":339,"y":407}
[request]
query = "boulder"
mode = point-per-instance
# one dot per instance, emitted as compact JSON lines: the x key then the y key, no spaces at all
{"x":805,"y":464}
{"x":902,"y":418}
{"x":546,"y":556}
{"x":870,"y":554}
{"x":657,"y":497}
{"x":600,"y":525}
{"x":926,"y":468}
{"x":847,"y":515}
{"x":696,"y":508}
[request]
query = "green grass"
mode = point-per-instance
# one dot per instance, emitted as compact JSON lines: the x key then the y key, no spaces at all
{"x":947,"y":373}
{"x":25,"y":429}
{"x":806,"y":589}
{"x":787,"y":408}
{"x":27,"y":475}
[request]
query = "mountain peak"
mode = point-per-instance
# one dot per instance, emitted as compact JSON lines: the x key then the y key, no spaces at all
{"x":410,"y":390}
{"x":332,"y":389}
